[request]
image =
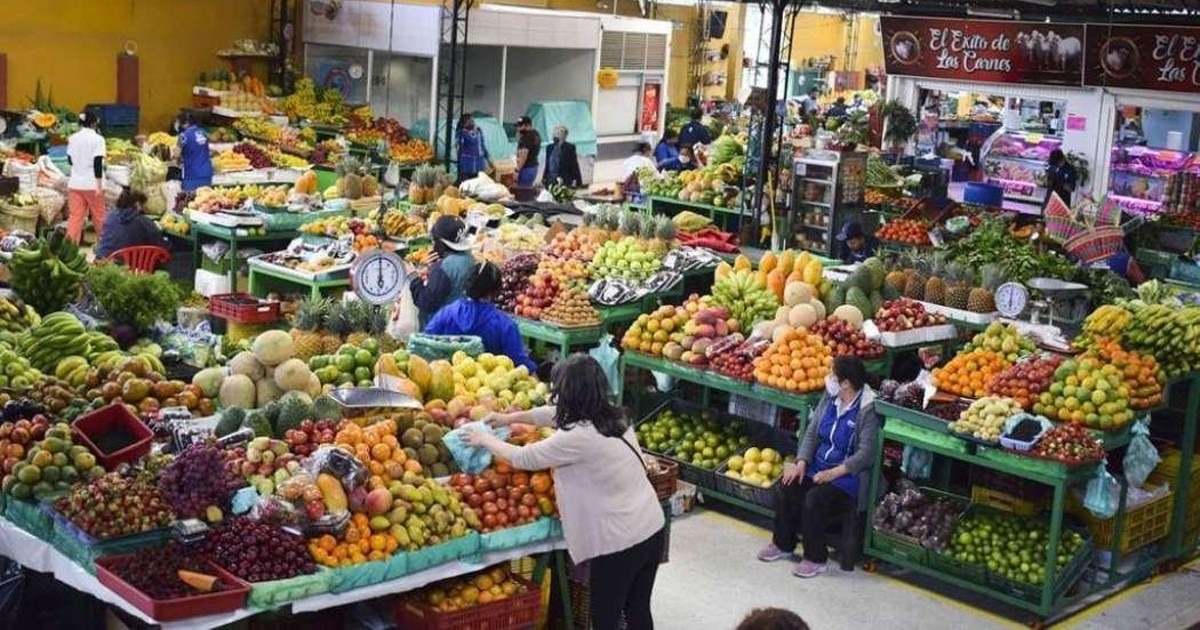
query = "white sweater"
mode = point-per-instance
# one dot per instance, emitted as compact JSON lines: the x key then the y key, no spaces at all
{"x":604,"y":498}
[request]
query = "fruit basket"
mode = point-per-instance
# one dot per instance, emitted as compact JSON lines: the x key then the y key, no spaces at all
{"x":901,"y":546}
{"x":213,"y":603}
{"x":1067,"y":575}
{"x":114,"y":435}
{"x":243,"y":308}
{"x":747,"y":491}
{"x":664,"y":478}
{"x":518,"y":611}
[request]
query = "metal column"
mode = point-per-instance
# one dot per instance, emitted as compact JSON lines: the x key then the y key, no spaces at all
{"x":452,"y":76}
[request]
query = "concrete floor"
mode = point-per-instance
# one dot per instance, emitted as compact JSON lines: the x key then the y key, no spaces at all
{"x":713,"y":580}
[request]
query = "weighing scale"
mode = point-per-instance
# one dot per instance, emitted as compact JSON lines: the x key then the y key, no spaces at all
{"x":378,"y":276}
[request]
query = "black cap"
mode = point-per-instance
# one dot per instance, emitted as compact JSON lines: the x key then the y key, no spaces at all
{"x":452,"y":233}
{"x":850,"y":230}
{"x":524,"y":120}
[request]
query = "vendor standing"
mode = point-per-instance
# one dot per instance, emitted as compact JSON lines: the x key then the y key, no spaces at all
{"x":194,"y":155}
{"x":471,"y":150}
{"x":1061,"y":177}
{"x":562,"y":161}
{"x":694,"y":132}
{"x":529,"y":144}
{"x":449,"y":265}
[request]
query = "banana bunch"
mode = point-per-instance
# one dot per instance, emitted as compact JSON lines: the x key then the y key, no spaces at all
{"x":1172,"y":335}
{"x":58,"y":336}
{"x":47,"y":273}
{"x":15,"y":317}
{"x":16,"y":371}
{"x":1108,"y":321}
{"x":230,"y":161}
{"x":401,"y":225}
{"x":747,"y":301}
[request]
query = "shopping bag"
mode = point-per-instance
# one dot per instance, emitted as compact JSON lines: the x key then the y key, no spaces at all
{"x":405,"y":318}
{"x":1141,"y":458}
{"x":471,"y":459}
{"x":607,"y":356}
{"x":1100,"y":498}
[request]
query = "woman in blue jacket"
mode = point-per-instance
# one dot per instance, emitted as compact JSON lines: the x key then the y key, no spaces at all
{"x":472,"y":153}
{"x":477,"y":315}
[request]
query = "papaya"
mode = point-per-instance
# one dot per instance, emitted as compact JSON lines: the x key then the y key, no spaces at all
{"x":741,"y":263}
{"x":775,"y":283}
{"x":786,"y":260}
{"x":332,"y":493}
{"x":419,"y":373}
{"x":768,"y":262}
{"x":441,"y":381}
{"x":723,"y":271}
{"x":200,"y":581}
{"x":813,"y":272}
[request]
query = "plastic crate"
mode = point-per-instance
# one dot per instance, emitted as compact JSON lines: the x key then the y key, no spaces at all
{"x":1002,"y":501}
{"x":93,"y":424}
{"x":84,"y":549}
{"x":114,"y":114}
{"x":899,"y":545}
{"x":665,"y":478}
{"x":180,"y":608}
{"x":519,"y":611}
{"x":1067,"y":575}
{"x":243,"y":308}
{"x":1144,"y":524}
{"x":1167,"y":473}
{"x":975,"y":573}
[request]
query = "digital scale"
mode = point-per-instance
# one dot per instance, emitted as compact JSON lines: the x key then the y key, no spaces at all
{"x":378,"y":276}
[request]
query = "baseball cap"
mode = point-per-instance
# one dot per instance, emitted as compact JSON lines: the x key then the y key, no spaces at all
{"x":452,"y":232}
{"x":850,"y":230}
{"x":524,"y":120}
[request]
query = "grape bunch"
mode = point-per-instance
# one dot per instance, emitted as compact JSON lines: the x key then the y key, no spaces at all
{"x":196,"y":480}
{"x":258,"y":158}
{"x":257,"y":552}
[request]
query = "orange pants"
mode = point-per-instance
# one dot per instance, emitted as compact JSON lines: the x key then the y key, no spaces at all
{"x":79,"y":204}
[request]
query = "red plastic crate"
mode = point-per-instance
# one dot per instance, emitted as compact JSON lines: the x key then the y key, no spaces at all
{"x":518,"y":611}
{"x":93,"y":424}
{"x":228,"y":600}
{"x":243,"y":308}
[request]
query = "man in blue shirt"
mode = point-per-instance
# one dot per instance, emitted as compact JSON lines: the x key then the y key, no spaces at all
{"x":194,"y":156}
{"x":695,"y":132}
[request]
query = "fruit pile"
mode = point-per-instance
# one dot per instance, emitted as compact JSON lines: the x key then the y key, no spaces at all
{"x":707,"y":326}
{"x":984,"y":419}
{"x":335,"y":227}
{"x":843,"y":339}
{"x":695,"y":438}
{"x":1087,"y":391}
{"x":1071,"y":444}
{"x":166,"y":573}
{"x":17,"y":435}
{"x":1106,"y":321}
{"x":493,"y":585}
{"x":350,"y":366}
{"x":1171,"y":335}
{"x":144,"y":390}
{"x":502,"y":497}
{"x":909,"y":512}
{"x":113,"y":506}
{"x":197,"y":484}
{"x":573,"y":245}
{"x":47,"y":273}
{"x":796,"y":361}
{"x":908,"y":231}
{"x":514,"y":277}
{"x":905,"y":314}
{"x":1025,"y":380}
{"x":58,"y":336}
{"x":51,"y":466}
{"x":748,"y":301}
{"x":757,"y":467}
{"x":16,"y":316}
{"x":1009,"y":546}
{"x":1003,"y":339}
{"x":734,"y":356}
{"x":360,"y":543}
{"x":264,"y":462}
{"x":17,"y":373}
{"x":650,"y":332}
{"x":568,"y":271}
{"x":402,"y":225}
{"x":257,"y":552}
{"x":305,"y":439}
{"x":1141,"y":372}
{"x":388,"y":452}
{"x":229,"y":161}
{"x":572,"y":308}
{"x":624,"y":258}
{"x":539,"y":294}
{"x":210,"y":200}
{"x":969,"y":374}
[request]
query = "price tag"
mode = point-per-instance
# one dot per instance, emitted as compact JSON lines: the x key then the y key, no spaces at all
{"x":870,"y":330}
{"x":935,"y":237}
{"x":800,"y":169}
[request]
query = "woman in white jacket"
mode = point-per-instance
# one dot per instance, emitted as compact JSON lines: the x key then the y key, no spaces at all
{"x":610,"y":513}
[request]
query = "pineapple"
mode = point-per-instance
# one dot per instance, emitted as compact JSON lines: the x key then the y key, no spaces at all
{"x":358,"y":314}
{"x":377,"y":325}
{"x":664,"y":235}
{"x":935,"y":286}
{"x":305,"y":338}
{"x":648,"y":228}
{"x":630,"y":223}
{"x":958,"y":287}
{"x":336,"y":327}
{"x":982,"y":298}
{"x":350,"y":183}
{"x":896,"y":280}
{"x":914,"y":286}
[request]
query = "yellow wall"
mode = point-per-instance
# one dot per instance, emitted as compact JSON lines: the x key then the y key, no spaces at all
{"x":72,"y":47}
{"x":818,"y":34}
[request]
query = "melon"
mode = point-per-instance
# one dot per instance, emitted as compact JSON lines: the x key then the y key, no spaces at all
{"x":850,"y":314}
{"x":245,"y":363}
{"x":802,"y":316}
{"x":273,"y":347}
{"x":265,"y":391}
{"x":779,"y":332}
{"x":237,"y":390}
{"x":797,"y":293}
{"x":314,"y":385}
{"x":209,"y":381}
{"x":292,"y":375}
{"x":819,"y":307}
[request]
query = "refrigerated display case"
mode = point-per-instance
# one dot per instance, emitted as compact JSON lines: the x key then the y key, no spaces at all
{"x":827,"y":191}
{"x":1016,"y":161}
{"x":1150,"y":181}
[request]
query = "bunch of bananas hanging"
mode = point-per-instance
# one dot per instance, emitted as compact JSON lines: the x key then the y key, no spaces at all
{"x":15,"y":316}
{"x":59,"y":335}
{"x":47,"y":273}
{"x":1171,"y":334}
{"x":401,"y":225}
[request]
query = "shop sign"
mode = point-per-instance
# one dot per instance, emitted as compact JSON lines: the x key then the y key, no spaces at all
{"x":982,"y":50}
{"x":1144,"y":57}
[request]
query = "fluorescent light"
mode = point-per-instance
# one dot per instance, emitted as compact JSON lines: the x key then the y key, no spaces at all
{"x":1043,"y":3}
{"x":994,"y":13}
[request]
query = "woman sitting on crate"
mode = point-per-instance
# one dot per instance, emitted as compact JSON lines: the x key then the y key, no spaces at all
{"x":610,"y":512}
{"x":831,"y":475}
{"x":128,"y":226}
{"x":477,"y":315}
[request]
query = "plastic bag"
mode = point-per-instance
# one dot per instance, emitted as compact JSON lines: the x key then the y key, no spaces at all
{"x":405,"y":317}
{"x":607,"y":356}
{"x":1141,"y":458}
{"x":471,"y":459}
{"x":917,"y":463}
{"x":1100,"y":498}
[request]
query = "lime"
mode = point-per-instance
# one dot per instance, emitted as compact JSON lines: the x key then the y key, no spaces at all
{"x":345,"y":363}
{"x":363,"y":358}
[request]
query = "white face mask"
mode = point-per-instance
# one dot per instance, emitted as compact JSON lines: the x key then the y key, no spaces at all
{"x":683,"y":159}
{"x":832,"y":387}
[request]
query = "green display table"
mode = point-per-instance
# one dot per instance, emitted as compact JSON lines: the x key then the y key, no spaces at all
{"x":670,"y":207}
{"x":235,"y":238}
{"x":261,"y":277}
{"x":564,"y":338}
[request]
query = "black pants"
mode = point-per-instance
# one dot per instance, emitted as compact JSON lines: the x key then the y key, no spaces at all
{"x":622,"y":582}
{"x":808,"y":507}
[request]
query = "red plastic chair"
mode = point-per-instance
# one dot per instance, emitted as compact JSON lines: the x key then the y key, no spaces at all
{"x":141,"y":258}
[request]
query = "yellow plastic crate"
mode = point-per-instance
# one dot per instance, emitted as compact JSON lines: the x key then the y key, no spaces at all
{"x":1002,"y":501}
{"x":1144,"y":524}
{"x":1168,"y":472}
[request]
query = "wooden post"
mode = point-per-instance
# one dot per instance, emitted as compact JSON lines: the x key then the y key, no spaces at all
{"x":3,"y":80}
{"x":127,"y":79}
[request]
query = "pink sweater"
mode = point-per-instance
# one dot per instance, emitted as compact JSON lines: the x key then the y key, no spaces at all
{"x":604,"y":498}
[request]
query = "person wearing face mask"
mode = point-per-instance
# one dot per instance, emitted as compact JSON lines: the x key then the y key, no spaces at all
{"x":830,"y":476}
{"x":562,"y":161}
{"x":472,"y":152}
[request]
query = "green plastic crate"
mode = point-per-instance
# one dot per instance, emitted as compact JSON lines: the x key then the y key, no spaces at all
{"x":449,"y":551}
{"x":513,"y":537}
{"x":903,"y":546}
{"x":278,"y":592}
{"x":344,"y":579}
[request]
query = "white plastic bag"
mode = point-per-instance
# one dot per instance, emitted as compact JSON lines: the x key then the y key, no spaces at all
{"x":50,"y":176}
{"x":405,"y":318}
{"x":1101,"y":491}
{"x":1141,"y":458}
{"x":607,"y":356}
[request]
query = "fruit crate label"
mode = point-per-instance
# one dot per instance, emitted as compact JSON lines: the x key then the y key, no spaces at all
{"x":752,"y":409}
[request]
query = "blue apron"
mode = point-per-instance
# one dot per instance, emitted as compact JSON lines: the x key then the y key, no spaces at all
{"x":835,"y":442}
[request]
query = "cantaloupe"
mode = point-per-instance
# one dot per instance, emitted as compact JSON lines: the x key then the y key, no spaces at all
{"x":265,"y":391}
{"x":797,"y":293}
{"x":273,"y":347}
{"x":802,"y":316}
{"x":237,"y":390}
{"x":292,"y":375}
{"x":209,"y":381}
{"x":819,"y":307}
{"x":850,"y":314}
{"x":245,"y":363}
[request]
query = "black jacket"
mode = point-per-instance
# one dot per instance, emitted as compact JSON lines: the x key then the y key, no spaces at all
{"x":568,"y":165}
